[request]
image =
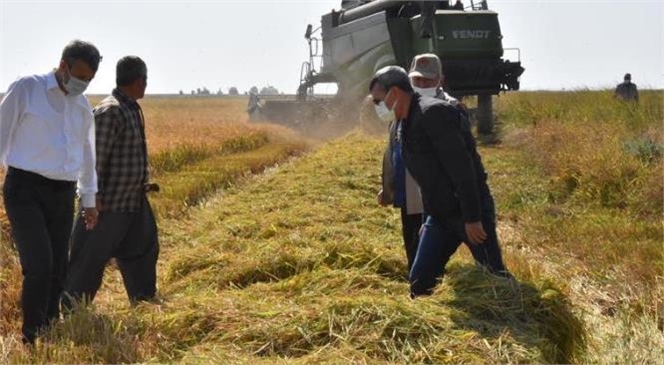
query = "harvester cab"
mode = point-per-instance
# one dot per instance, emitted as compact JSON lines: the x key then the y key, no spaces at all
{"x":366,"y":35}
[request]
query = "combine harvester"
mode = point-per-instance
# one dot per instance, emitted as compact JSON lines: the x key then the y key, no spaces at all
{"x":365,"y":36}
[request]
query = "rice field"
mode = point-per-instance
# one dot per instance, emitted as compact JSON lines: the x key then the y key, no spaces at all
{"x":274,"y":250}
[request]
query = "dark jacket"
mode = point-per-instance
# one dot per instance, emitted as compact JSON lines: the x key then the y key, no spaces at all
{"x":388,"y":176}
{"x":440,"y":152}
{"x":627,"y":91}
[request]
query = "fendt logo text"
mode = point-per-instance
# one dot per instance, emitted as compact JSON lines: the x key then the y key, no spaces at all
{"x":471,"y":34}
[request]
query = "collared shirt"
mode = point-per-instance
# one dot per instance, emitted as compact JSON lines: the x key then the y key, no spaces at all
{"x":399,"y":186}
{"x":442,"y":95}
{"x":122,"y":160}
{"x":46,"y":132}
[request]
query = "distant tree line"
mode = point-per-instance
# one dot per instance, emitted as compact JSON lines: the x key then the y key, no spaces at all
{"x":204,"y":91}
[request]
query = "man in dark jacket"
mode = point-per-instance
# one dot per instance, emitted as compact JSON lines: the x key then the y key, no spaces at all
{"x":627,"y":90}
{"x":439,"y":151}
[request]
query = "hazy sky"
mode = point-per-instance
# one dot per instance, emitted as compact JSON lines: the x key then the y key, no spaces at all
{"x":218,"y":44}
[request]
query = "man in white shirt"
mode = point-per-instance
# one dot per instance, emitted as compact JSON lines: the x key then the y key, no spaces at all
{"x":47,"y":144}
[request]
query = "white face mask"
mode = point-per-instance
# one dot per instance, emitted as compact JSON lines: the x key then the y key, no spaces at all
{"x":384,"y":113}
{"x":430,"y":91}
{"x":75,"y":86}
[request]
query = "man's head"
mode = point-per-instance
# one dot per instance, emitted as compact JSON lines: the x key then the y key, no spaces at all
{"x":78,"y":66}
{"x":390,"y":88}
{"x":426,"y":72}
{"x":628,"y":77}
{"x":131,"y":76}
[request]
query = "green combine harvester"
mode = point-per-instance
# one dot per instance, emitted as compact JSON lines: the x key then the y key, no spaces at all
{"x":365,"y":36}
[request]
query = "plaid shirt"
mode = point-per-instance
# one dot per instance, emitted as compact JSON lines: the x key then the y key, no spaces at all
{"x":122,"y":159}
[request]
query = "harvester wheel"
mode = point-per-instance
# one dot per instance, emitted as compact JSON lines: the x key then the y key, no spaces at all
{"x":485,"y":124}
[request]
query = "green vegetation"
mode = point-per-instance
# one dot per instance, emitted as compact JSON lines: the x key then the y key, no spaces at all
{"x":581,"y":176}
{"x":221,"y":167}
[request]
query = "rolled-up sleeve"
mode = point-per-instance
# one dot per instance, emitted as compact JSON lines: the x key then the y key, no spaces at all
{"x":87,"y":182}
{"x":11,"y":108}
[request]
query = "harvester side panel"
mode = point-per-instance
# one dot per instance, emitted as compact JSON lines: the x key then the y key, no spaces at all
{"x":353,"y":51}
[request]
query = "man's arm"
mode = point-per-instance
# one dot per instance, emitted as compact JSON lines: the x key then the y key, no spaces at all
{"x":87,"y":180}
{"x":107,"y":126}
{"x":636,"y":93}
{"x":442,"y":125}
{"x":11,"y":108}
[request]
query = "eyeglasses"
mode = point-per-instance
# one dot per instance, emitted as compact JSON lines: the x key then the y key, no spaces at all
{"x":376,"y":102}
{"x":70,"y":66}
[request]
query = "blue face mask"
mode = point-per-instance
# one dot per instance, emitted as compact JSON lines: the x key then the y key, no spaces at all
{"x":75,"y":86}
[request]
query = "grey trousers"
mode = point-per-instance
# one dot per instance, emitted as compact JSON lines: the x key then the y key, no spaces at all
{"x":130,"y":238}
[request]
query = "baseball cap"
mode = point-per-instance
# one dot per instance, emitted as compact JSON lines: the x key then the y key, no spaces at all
{"x":426,"y":65}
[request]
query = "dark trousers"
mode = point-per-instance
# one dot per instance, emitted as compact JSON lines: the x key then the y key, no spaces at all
{"x":130,"y":238}
{"x":40,"y":212}
{"x":440,"y":240}
{"x":410,"y":230}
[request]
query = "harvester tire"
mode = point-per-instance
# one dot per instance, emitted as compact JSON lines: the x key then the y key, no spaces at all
{"x":486,"y":126}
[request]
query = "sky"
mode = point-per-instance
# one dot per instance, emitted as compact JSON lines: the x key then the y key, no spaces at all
{"x":222,"y":43}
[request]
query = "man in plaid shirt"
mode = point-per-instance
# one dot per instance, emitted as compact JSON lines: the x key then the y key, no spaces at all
{"x":126,"y":229}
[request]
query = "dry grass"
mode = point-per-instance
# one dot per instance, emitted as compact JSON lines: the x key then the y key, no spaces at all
{"x":582,"y":178}
{"x":302,"y":266}
{"x":299,"y":265}
{"x":188,"y":140}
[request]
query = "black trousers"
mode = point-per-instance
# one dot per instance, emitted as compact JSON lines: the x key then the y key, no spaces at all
{"x":410,"y":230}
{"x":130,"y":238}
{"x":40,"y":212}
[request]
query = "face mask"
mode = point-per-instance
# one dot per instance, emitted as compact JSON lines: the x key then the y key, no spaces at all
{"x":384,"y":113}
{"x":75,"y":86}
{"x":430,"y":91}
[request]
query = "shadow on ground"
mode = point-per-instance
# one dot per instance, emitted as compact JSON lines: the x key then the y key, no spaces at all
{"x":536,"y":314}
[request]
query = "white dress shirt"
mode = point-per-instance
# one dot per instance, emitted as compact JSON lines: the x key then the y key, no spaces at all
{"x":44,"y":131}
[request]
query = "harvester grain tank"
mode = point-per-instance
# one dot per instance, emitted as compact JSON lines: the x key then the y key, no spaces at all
{"x":364,"y":36}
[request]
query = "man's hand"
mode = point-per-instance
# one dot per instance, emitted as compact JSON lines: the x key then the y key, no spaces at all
{"x":475,"y":232}
{"x":380,"y":198}
{"x":98,"y":203}
{"x":90,"y":215}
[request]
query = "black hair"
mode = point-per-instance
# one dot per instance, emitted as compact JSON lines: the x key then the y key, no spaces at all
{"x":84,"y":51}
{"x":390,"y":76}
{"x":130,"y":69}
